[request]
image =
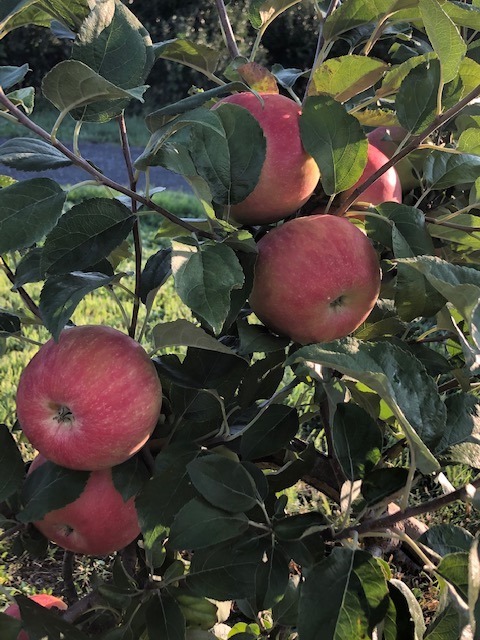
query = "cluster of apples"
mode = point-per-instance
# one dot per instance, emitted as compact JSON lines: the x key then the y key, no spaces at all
{"x":89,"y":402}
{"x":317,"y":277}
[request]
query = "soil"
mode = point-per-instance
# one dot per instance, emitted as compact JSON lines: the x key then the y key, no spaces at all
{"x":109,"y":159}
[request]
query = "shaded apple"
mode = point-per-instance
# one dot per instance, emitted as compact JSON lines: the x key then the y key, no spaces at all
{"x":387,"y":188}
{"x":289,"y":174}
{"x":90,"y":400}
{"x":316,"y":278}
{"x":44,"y":600}
{"x":387,"y":140}
{"x":97,"y":523}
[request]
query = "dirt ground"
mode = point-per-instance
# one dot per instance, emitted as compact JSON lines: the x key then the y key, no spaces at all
{"x":109,"y":159}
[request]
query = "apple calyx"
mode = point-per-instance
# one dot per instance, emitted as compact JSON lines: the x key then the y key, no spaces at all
{"x":63,"y":415}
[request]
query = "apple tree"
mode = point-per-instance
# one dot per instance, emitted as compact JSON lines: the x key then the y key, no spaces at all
{"x":346,"y":196}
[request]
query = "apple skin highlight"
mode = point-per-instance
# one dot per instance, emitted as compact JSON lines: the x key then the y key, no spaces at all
{"x":289,"y":174}
{"x":90,"y":400}
{"x":316,"y":279}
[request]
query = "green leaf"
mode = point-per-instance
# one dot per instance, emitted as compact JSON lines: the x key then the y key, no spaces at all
{"x":61,"y":295}
{"x":130,"y":477}
{"x":84,"y":235}
{"x":9,"y":324}
{"x":271,"y":578}
{"x":255,"y":338}
{"x":285,"y":611}
{"x":398,"y":378}
{"x":381,"y":483}
{"x":454,"y":569}
{"x":407,"y":619}
{"x":28,"y":269}
{"x":18,"y":13}
{"x":357,"y":597}
{"x":397,"y":74}
{"x":469,"y":141}
{"x":71,"y":84}
{"x":225,"y":572}
{"x":272,"y":431}
{"x":355,"y":13}
{"x":261,"y":13}
{"x":446,"y":625}
{"x":223,"y":482}
{"x":444,"y":170}
{"x":9,"y":627}
{"x":261,"y":380}
{"x":28,"y":210}
{"x":447,"y":538}
{"x":11,"y":464}
{"x":50,"y":487}
{"x":156,"y":272}
{"x":336,"y":141}
{"x":204,"y":278}
{"x":357,"y":440}
{"x":24,"y":98}
{"x":300,"y":525}
{"x":444,"y":36}
{"x":345,"y":77}
{"x":165,"y":620}
{"x":417,"y":97}
{"x":9,"y":76}
{"x":117,"y":46}
{"x":409,"y":222}
{"x":198,"y":525}
{"x":192,"y":54}
{"x":184,"y":333}
{"x":463,"y":414}
{"x":29,"y":154}
{"x":40,"y":622}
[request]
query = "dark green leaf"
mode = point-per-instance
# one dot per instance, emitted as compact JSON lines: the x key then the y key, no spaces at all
{"x":261,"y":13}
{"x":404,"y":619}
{"x":204,"y":278}
{"x":336,"y":141}
{"x":61,"y":295}
{"x":272,"y":431}
{"x":9,"y":627}
{"x":40,"y":622}
{"x":381,"y":483}
{"x":225,"y":572}
{"x":198,"y":525}
{"x":299,"y":525}
{"x":165,"y":620}
{"x":28,"y":269}
{"x":262,"y":379}
{"x":130,"y":477}
{"x":155,"y":273}
{"x":271,"y":578}
{"x":398,"y":378}
{"x":357,"y":440}
{"x":9,"y":324}
{"x":256,"y":338}
{"x":11,"y":464}
{"x":293,"y":470}
{"x":447,"y":624}
{"x":192,"y":54}
{"x":10,"y":76}
{"x":454,"y":569}
{"x":184,"y":333}
{"x":285,"y":611}
{"x":29,"y":154}
{"x":444,"y":170}
{"x":410,"y":222}
{"x":48,"y":488}
{"x":463,"y":414}
{"x":447,"y":538}
{"x":28,"y":210}
{"x":84,"y":235}
{"x":223,"y":482}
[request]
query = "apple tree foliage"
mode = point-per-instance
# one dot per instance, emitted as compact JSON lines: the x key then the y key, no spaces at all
{"x":360,"y":423}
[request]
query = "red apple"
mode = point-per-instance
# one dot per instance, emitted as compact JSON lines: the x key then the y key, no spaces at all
{"x":387,"y":140}
{"x":289,"y":174}
{"x":90,"y":400}
{"x":387,"y":188}
{"x":316,"y":279}
{"x":97,"y":523}
{"x":42,"y":599}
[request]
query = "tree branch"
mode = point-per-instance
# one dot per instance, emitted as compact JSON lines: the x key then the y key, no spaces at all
{"x":98,"y":175}
{"x":227,"y":29}
{"x":413,"y":144}
{"x":67,"y":574}
{"x":29,"y":303}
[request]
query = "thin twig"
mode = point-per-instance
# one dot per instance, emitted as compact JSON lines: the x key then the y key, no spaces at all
{"x":451,"y":225}
{"x":320,"y":44}
{"x":12,"y":531}
{"x":100,"y":177}
{"x":69,"y":589}
{"x":29,"y":303}
{"x":227,"y":29}
{"x":411,"y":146}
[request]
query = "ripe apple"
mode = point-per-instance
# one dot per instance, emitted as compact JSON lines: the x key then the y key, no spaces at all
{"x":316,"y":278}
{"x":289,"y":174}
{"x":97,"y":523}
{"x":90,"y":400}
{"x":387,"y":140}
{"x":387,"y":188}
{"x":43,"y":599}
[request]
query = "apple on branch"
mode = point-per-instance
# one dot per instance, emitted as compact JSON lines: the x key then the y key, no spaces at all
{"x":316,"y":278}
{"x":44,"y":600}
{"x":97,"y":523}
{"x":387,"y":139}
{"x":289,"y":174}
{"x":90,"y":400}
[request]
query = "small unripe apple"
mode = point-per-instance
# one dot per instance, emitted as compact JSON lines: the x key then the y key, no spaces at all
{"x":316,"y":278}
{"x":97,"y":523}
{"x":387,"y":140}
{"x":289,"y":174}
{"x":43,"y":599}
{"x":387,"y":188}
{"x":90,"y":400}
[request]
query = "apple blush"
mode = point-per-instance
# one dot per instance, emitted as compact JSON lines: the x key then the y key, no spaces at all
{"x":316,"y":279}
{"x":289,"y":174}
{"x":90,"y":400}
